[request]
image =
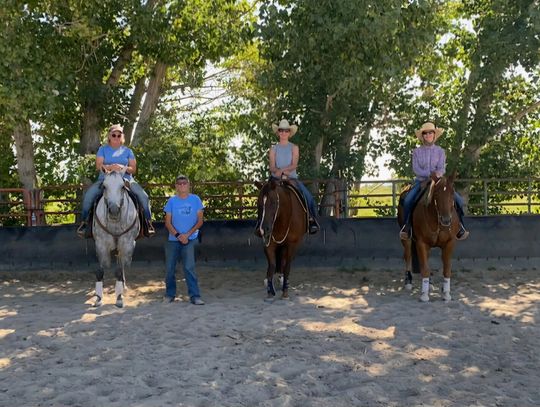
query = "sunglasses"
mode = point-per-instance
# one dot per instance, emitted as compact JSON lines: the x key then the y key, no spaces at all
{"x":116,"y":135}
{"x":284,"y":130}
{"x":182,"y":182}
{"x":428,"y":132}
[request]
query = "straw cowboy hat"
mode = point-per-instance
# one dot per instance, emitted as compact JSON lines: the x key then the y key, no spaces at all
{"x":284,"y":124}
{"x":428,"y":126}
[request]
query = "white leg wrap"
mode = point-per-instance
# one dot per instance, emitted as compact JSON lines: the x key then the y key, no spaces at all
{"x":446,"y":290}
{"x":99,"y":289}
{"x":425,"y":290}
{"x":446,"y":285}
{"x":119,"y":288}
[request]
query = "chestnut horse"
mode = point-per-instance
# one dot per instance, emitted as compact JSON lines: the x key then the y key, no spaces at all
{"x":283,"y":226}
{"x":435,"y":223}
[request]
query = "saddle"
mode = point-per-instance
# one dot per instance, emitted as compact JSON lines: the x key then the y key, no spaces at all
{"x":301,"y":198}
{"x":143,"y":230}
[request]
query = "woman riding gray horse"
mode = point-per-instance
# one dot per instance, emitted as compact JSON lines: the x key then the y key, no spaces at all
{"x":114,"y":156}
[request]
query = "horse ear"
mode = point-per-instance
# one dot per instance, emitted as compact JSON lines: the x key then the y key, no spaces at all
{"x":259,"y":184}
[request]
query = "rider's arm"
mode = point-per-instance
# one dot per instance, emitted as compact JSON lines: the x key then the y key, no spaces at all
{"x":99,"y":163}
{"x":272,"y":162}
{"x":440,"y":166}
{"x":295,"y":156}
{"x":132,"y":166}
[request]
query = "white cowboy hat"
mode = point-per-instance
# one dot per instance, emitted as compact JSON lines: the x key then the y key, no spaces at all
{"x":284,"y":124}
{"x":428,"y":126}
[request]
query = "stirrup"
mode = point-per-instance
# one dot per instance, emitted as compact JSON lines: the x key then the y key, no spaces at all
{"x":150,"y":227}
{"x":313,"y":226}
{"x":462,"y":234}
{"x":405,"y":232}
{"x":81,"y":230}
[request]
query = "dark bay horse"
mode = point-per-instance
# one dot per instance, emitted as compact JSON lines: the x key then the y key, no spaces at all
{"x":283,"y":225}
{"x":435,"y":223}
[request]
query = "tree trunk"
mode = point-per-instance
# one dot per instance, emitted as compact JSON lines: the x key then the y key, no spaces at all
{"x":22,"y":135}
{"x":90,"y":137}
{"x":150,"y":102}
{"x":134,"y":106}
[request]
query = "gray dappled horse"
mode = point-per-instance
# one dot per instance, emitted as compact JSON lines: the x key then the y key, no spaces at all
{"x":115,"y":228}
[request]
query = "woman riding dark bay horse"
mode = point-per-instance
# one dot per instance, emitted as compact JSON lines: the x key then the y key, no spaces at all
{"x":435,"y":223}
{"x":284,"y":221}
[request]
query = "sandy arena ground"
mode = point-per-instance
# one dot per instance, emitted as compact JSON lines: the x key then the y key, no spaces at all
{"x":345,"y":338}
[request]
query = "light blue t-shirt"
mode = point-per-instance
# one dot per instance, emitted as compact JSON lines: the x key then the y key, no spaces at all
{"x":120,"y":155}
{"x":184,"y":214}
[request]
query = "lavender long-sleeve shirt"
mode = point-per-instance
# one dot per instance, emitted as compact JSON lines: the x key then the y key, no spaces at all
{"x":428,"y":159}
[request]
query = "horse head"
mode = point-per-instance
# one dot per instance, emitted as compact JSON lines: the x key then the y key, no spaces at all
{"x":441,"y":196}
{"x":275,"y":205}
{"x":113,"y":193}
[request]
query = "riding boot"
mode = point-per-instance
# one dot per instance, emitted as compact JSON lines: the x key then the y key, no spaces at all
{"x":405,"y":232}
{"x":313,"y":226}
{"x":463,"y":233}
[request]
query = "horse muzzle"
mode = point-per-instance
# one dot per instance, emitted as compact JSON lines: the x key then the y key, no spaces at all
{"x":445,"y":221}
{"x":114,"y":211}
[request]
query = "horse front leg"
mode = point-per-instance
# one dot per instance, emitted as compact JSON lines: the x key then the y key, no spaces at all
{"x":407,"y":257}
{"x":119,"y":286}
{"x":104,"y":259}
{"x":423,"y":258}
{"x":99,"y":287}
{"x":271,"y":258}
{"x":447,"y":269}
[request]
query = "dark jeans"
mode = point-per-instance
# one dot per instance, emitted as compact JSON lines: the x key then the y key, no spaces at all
{"x":175,"y":251}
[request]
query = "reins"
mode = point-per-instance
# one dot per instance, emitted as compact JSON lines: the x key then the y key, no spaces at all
{"x":106,"y":229}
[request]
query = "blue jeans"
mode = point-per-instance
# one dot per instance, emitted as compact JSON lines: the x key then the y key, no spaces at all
{"x":309,"y":198}
{"x":96,"y":189}
{"x":175,"y":250}
{"x":412,"y":197}
{"x":410,"y":200}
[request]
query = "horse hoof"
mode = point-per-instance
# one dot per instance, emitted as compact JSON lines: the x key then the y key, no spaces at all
{"x":446,"y":296}
{"x":119,"y":302}
{"x":98,"y":302}
{"x":287,"y":298}
{"x":269,"y":300}
{"x":424,"y":297}
{"x":408,"y":286}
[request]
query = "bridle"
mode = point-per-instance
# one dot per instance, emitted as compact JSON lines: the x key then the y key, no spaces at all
{"x":107,"y":205}
{"x":277,"y":241}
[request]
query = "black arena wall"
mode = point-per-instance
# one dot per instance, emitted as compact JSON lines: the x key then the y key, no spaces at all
{"x":341,"y":242}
